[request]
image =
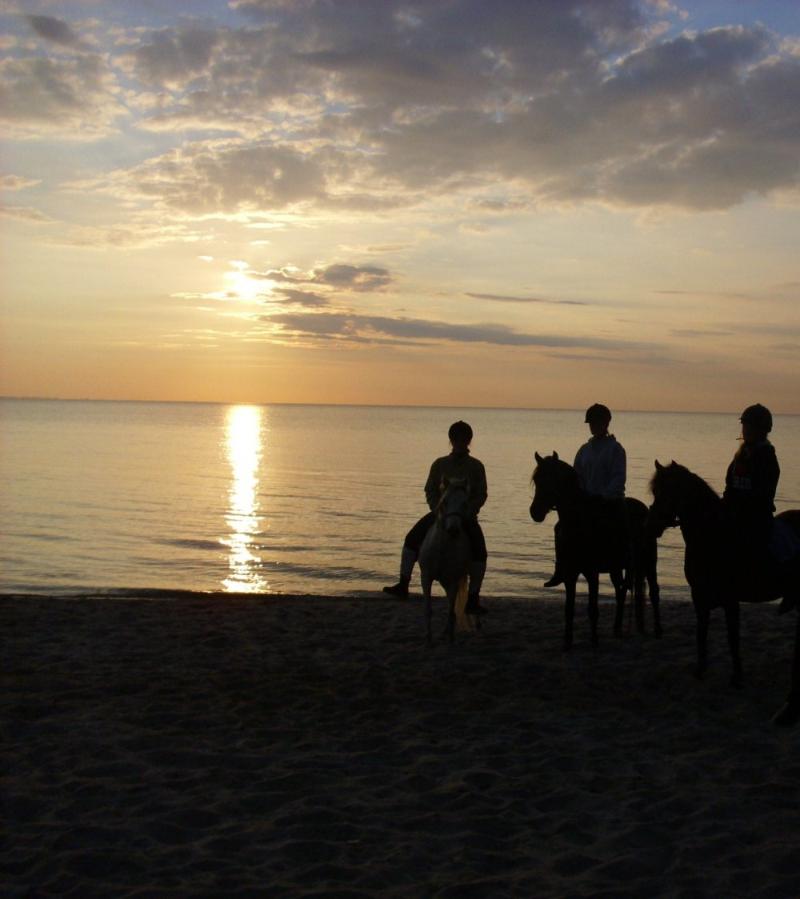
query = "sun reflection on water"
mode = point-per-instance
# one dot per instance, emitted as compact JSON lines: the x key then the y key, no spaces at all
{"x":243,"y":429}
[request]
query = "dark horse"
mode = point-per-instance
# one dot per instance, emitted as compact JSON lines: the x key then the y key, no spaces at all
{"x":714,"y":569}
{"x":589,"y":549}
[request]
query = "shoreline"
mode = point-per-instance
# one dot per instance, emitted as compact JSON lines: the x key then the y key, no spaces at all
{"x":291,"y":747}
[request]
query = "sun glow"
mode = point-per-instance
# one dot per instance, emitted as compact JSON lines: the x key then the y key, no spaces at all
{"x":242,"y":287}
{"x":243,"y":430}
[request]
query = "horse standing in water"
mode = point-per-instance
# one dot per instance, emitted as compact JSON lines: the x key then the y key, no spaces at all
{"x":445,"y":553}
{"x":589,"y":549}
{"x":716,"y":575}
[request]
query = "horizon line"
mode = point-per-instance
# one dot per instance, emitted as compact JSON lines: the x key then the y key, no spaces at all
{"x":58,"y":399}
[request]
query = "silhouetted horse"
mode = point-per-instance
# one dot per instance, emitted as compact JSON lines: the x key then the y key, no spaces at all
{"x":589,"y":549}
{"x":445,"y":553}
{"x":714,"y":569}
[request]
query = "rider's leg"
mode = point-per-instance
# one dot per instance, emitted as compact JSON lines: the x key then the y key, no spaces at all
{"x":409,"y":555}
{"x":477,"y":567}
{"x":557,"y":576}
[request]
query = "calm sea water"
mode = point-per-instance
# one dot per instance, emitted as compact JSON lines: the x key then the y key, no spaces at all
{"x":105,"y":496}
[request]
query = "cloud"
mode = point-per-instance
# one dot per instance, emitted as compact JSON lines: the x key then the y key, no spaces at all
{"x":348,"y":107}
{"x":503,"y":298}
{"x":364,"y":328}
{"x":55,"y":30}
{"x":74,"y":98}
{"x":304,"y":298}
{"x":26,"y":214}
{"x":341,"y":276}
{"x":17,"y":182}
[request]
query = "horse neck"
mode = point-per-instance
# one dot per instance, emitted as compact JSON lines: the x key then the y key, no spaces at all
{"x":700,"y":512}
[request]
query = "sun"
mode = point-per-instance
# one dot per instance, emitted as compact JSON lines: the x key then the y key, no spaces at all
{"x":242,"y":286}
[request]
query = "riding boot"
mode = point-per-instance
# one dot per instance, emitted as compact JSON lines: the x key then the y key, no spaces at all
{"x":407,"y":559}
{"x":476,"y":572}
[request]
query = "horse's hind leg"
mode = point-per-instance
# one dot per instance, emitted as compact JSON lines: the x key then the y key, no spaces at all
{"x":569,"y":611}
{"x":790,"y":713}
{"x":593,"y":580}
{"x":732,"y":622}
{"x":703,"y":616}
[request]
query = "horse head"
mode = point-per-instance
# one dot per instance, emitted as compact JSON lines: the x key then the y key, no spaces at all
{"x":453,"y":506}
{"x":667,"y":486}
{"x":548,"y":484}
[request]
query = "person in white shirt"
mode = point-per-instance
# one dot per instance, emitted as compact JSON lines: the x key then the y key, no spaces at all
{"x":601,"y":466}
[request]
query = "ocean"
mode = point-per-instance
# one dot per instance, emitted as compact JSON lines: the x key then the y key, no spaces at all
{"x":112,"y":497}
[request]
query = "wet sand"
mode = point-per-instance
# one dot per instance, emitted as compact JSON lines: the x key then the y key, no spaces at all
{"x":311,"y":746}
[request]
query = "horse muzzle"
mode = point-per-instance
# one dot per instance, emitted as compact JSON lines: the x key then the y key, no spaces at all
{"x":538,"y":513}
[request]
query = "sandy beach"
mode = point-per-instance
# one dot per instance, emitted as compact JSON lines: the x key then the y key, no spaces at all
{"x":310,"y":746}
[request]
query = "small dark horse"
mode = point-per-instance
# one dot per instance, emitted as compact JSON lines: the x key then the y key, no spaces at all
{"x":587,"y":549}
{"x":716,"y":576}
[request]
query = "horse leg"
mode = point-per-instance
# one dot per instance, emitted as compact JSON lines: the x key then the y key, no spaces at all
{"x":732,"y":622}
{"x":638,"y":600}
{"x":450,"y":627}
{"x":569,"y":610}
{"x":593,"y":581}
{"x":790,"y":713}
{"x":703,"y":615}
{"x":655,"y":601}
{"x":427,"y":583}
{"x":619,"y":580}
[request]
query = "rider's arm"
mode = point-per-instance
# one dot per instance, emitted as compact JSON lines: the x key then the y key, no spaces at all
{"x":433,"y":486}
{"x":479,"y":490}
{"x":617,"y":473}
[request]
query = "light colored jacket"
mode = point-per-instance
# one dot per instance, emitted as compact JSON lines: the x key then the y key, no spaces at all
{"x":601,"y":466}
{"x":457,"y":466}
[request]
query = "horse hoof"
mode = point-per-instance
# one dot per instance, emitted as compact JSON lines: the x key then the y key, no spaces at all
{"x":788,"y":716}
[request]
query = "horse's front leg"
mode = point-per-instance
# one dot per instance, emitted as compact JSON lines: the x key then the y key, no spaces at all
{"x":593,"y":580}
{"x":790,"y":713}
{"x":450,"y":627}
{"x":619,"y":580}
{"x":703,"y":615}
{"x":427,"y":584}
{"x":732,"y":623}
{"x":655,"y":602}
{"x":569,"y":610}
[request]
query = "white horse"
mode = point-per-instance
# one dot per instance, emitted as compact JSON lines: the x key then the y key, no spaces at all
{"x":445,"y":553}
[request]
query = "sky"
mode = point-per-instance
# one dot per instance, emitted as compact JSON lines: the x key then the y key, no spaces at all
{"x":516,"y":203}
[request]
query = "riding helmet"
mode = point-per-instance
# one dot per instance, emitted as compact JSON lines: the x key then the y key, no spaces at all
{"x":598,"y":412}
{"x":460,"y":430}
{"x":758,"y":417}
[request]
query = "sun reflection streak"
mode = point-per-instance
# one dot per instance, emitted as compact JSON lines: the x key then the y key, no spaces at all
{"x":243,"y":448}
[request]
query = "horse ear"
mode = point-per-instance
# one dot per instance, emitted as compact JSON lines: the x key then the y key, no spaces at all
{"x":659,"y":466}
{"x":537,"y":456}
{"x":555,"y":455}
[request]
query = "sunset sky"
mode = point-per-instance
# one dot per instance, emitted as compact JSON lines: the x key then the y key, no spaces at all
{"x":540,"y":203}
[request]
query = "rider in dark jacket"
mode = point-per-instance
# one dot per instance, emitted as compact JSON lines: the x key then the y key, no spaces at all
{"x":751,"y":481}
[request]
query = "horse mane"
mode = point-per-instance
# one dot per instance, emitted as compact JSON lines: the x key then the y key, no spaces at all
{"x":698,"y":487}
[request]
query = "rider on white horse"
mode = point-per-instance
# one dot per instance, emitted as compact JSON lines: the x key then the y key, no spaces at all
{"x":458,"y":464}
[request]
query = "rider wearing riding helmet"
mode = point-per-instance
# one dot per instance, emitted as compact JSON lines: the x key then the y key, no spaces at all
{"x":601,"y":466}
{"x":751,"y":482}
{"x":458,"y":464}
